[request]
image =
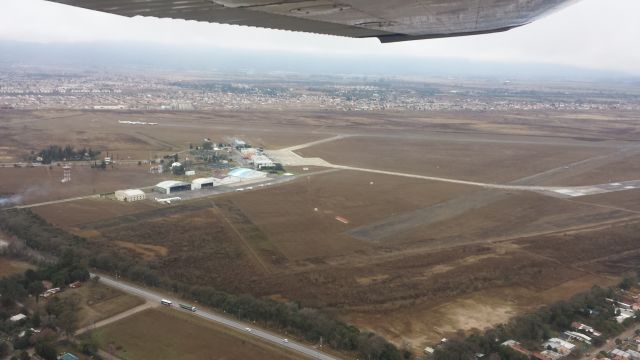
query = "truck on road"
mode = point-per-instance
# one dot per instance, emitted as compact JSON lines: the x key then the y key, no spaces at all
{"x":189,"y":307}
{"x":165,"y":302}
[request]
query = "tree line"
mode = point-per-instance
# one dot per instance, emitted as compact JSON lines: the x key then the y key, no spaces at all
{"x":66,"y":153}
{"x":311,"y":324}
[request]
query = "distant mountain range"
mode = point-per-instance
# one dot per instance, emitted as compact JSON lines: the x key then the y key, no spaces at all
{"x":115,"y":56}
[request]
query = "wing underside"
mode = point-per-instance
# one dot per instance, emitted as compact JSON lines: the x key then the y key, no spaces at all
{"x":388,"y":20}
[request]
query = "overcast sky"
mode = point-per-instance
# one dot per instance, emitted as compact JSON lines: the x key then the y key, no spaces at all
{"x":599,"y":34}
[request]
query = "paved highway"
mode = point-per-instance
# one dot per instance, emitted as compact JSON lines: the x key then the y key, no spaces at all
{"x":236,"y":325}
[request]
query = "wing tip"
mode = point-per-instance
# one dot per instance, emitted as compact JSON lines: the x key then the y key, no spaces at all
{"x":391,"y":38}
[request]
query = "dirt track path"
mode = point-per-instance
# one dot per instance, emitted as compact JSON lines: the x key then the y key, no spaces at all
{"x":120,"y":316}
{"x":257,"y":260}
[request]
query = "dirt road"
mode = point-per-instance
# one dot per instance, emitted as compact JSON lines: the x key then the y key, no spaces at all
{"x":120,"y":316}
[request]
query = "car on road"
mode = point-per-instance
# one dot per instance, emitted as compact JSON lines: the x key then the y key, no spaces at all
{"x":285,"y":340}
{"x":248,"y":329}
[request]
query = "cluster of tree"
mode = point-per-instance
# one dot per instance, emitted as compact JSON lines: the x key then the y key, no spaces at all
{"x":207,"y":145}
{"x":311,"y":324}
{"x":208,"y":155}
{"x":58,"y":313}
{"x":276,"y":168}
{"x":533,"y":329}
{"x":17,"y":287}
{"x":67,"y":153}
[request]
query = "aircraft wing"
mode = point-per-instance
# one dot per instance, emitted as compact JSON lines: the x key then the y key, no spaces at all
{"x":388,"y":20}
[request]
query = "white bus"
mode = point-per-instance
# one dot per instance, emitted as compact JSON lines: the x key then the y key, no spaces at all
{"x":165,"y":302}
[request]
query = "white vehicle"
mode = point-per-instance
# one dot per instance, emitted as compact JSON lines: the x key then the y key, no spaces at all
{"x":240,"y":189}
{"x":248,"y":329}
{"x":166,"y":302}
{"x":285,"y":340}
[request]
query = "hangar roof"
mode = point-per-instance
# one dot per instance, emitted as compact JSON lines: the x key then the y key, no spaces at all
{"x":245,"y":173}
{"x":170,"y":183}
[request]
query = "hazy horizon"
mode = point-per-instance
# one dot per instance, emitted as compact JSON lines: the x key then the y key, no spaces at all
{"x":189,"y":58}
{"x":586,"y":35}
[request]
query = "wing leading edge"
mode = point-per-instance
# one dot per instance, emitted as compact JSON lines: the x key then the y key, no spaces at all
{"x":389,"y":21}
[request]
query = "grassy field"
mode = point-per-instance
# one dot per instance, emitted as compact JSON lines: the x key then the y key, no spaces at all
{"x":160,"y":334}
{"x":99,"y":302}
{"x":70,"y":215}
{"x":10,"y":266}
{"x":451,"y":157}
{"x":300,"y":218}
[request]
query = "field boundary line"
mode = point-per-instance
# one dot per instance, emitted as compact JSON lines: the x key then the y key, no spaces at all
{"x":252,"y":254}
{"x":116,"y":317}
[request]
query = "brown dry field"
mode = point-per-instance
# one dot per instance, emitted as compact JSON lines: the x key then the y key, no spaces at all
{"x":513,"y":215}
{"x":98,"y":302}
{"x":159,"y":334}
{"x":78,"y":212}
{"x":622,"y":169}
{"x":417,"y":260}
{"x":22,"y":131}
{"x":629,"y":199}
{"x":11,"y":267}
{"x":287,"y":216}
{"x":39,"y":184}
{"x":408,"y":288}
{"x":473,"y":161}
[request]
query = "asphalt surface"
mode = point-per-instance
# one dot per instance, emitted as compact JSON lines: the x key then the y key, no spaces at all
{"x":230,"y":323}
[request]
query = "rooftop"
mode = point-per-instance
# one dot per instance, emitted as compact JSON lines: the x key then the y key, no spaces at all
{"x":170,"y":183}
{"x":133,"y":192}
{"x":245,"y":173}
{"x":67,"y":356}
